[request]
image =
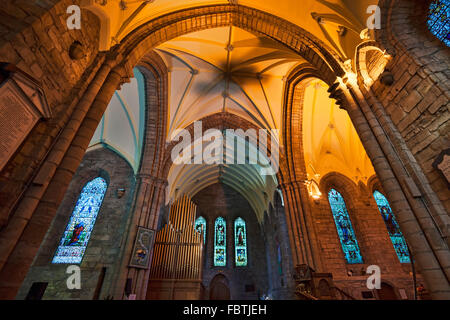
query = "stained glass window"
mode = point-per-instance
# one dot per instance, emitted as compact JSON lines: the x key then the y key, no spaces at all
{"x":220,"y":242}
{"x":344,"y":227}
{"x":240,"y":242}
{"x":200,"y":227}
{"x":439,"y":20}
{"x":398,"y":241}
{"x":78,"y":231}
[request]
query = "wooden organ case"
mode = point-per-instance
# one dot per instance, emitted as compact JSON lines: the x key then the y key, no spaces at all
{"x":176,"y":268}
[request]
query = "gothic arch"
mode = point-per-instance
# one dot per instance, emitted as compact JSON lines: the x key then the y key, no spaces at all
{"x":374,"y":184}
{"x":221,"y":121}
{"x":156,"y":86}
{"x":346,"y":187}
{"x":40,"y":201}
{"x":224,"y":121}
{"x":351,"y":195}
{"x":159,"y":30}
{"x":296,"y":82}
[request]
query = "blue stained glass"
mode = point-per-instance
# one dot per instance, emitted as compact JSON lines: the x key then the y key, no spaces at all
{"x":240,"y":242}
{"x":439,"y":20}
{"x":398,"y":241}
{"x":220,"y":241}
{"x":78,"y":231}
{"x":200,"y":227}
{"x":344,"y":227}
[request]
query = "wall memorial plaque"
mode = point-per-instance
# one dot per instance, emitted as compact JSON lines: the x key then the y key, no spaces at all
{"x":142,"y":246}
{"x":442,"y":164}
{"x":22,"y":104}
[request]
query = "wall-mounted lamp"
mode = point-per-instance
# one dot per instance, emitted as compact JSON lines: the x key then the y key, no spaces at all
{"x":313,"y":189}
{"x":120,"y":192}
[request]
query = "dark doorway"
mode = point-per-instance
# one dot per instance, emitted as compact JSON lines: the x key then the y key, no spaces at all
{"x":219,"y":288}
{"x":386,"y":292}
{"x":37,"y":291}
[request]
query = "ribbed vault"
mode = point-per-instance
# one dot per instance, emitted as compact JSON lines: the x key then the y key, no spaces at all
{"x":248,"y":179}
{"x":226,"y":70}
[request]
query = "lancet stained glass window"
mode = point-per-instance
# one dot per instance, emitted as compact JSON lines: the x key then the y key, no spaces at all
{"x":240,"y":242}
{"x":439,"y":20}
{"x":200,"y":227}
{"x":398,"y":241}
{"x":78,"y":231}
{"x":344,"y":227}
{"x":220,"y":250}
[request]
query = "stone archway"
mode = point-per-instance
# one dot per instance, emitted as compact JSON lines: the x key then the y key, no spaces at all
{"x":40,"y":199}
{"x":387,"y":292}
{"x":219,"y":288}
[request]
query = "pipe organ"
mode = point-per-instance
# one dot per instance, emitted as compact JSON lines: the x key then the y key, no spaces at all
{"x":176,"y":269}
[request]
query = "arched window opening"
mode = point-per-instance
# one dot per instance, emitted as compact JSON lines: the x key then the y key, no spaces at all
{"x":439,"y":20}
{"x":220,"y":251}
{"x":200,"y":227}
{"x":344,"y":227}
{"x":240,"y":242}
{"x":78,"y":231}
{"x":398,"y":241}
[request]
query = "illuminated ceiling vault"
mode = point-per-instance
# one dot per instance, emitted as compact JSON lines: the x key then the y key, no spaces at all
{"x":330,"y":141}
{"x":122,"y":126}
{"x":246,"y":179}
{"x":231,"y":70}
{"x":338,"y":23}
{"x":226,"y":70}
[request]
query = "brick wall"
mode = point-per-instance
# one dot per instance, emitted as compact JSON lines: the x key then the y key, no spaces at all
{"x":371,"y":233}
{"x":107,"y":238}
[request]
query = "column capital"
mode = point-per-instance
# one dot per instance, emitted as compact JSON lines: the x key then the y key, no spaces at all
{"x":291,"y":184}
{"x":160,"y":182}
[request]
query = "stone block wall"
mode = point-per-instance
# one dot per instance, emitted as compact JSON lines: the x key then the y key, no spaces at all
{"x":36,"y":39}
{"x":220,"y":200}
{"x":278,"y":252}
{"x":418,"y":102}
{"x":107,"y":238}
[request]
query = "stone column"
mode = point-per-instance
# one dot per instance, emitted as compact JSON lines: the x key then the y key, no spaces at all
{"x":38,"y":207}
{"x":405,"y":161}
{"x":11,"y":233}
{"x":303,"y":240}
{"x":429,"y":249}
{"x":149,"y":200}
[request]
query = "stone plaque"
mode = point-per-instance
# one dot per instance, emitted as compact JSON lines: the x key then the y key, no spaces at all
{"x":17,"y":117}
{"x":142,"y":247}
{"x":442,"y":164}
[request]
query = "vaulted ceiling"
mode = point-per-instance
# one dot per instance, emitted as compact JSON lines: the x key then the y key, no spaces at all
{"x":122,"y":126}
{"x":338,"y":23}
{"x":248,"y":179}
{"x":330,"y":142}
{"x":230,"y":70}
{"x":226,"y":70}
